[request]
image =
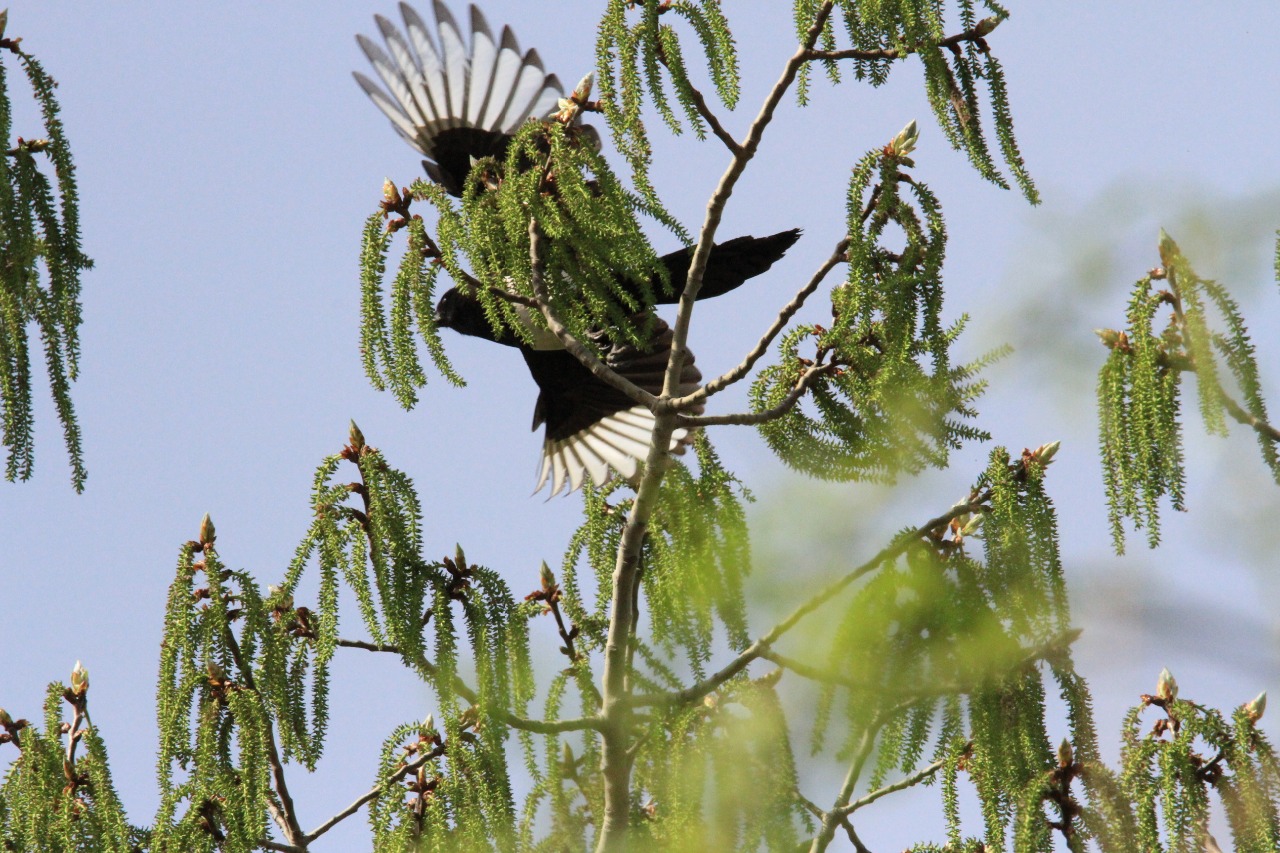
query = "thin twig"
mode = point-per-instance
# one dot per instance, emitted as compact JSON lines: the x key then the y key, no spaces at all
{"x":468,"y":694}
{"x":720,"y":197}
{"x":374,"y":793}
{"x":590,"y":360}
{"x":283,"y":813}
{"x":1242,"y":416}
{"x":268,"y":844}
{"x":977,"y":33}
{"x":858,"y":846}
{"x":704,"y":110}
{"x":762,"y":346}
{"x":906,"y":782}
{"x":834,"y":818}
{"x":1053,"y":646}
{"x":788,"y":403}
{"x":695,"y":692}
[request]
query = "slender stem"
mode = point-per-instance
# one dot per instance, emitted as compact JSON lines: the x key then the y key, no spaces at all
{"x":977,"y":33}
{"x":468,"y":694}
{"x":833,"y":818}
{"x":374,"y":792}
{"x":704,"y":110}
{"x":907,"y":782}
{"x":720,"y":197}
{"x":755,"y":418}
{"x":784,"y":316}
{"x":695,"y":692}
{"x":1242,"y":416}
{"x":285,"y":815}
{"x":1053,"y":646}
{"x":1238,"y":413}
{"x":575,"y":347}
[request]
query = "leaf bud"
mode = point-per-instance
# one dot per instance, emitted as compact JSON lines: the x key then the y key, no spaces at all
{"x":5,"y":719}
{"x":1168,"y":249}
{"x":216,"y":671}
{"x":545,"y":576}
{"x":428,"y":724}
{"x":389,"y":192}
{"x":567,"y":758}
{"x":1255,"y":709}
{"x":1046,"y":452}
{"x":1066,"y":755}
{"x":1110,"y":337}
{"x":905,"y":142}
{"x":79,"y":679}
{"x":1166,"y":686}
{"x":355,"y":436}
{"x":4,"y":21}
{"x":207,"y":531}
{"x":971,"y":526}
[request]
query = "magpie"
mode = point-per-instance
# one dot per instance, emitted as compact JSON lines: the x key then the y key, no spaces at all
{"x":456,"y":103}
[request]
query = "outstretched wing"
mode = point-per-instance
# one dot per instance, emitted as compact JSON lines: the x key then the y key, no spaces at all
{"x":591,"y":426}
{"x":452,"y":102}
{"x":729,"y":264}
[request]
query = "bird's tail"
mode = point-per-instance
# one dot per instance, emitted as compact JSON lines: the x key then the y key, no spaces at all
{"x":454,"y":102}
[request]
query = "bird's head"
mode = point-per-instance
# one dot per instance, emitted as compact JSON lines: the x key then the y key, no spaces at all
{"x":464,"y":314}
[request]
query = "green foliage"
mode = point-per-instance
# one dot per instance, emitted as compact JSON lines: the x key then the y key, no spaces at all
{"x":592,"y":245}
{"x":887,"y":398}
{"x":40,"y":275}
{"x":940,"y":648}
{"x":884,"y":32}
{"x":54,"y":800}
{"x":1139,"y":403}
{"x":592,"y":240}
{"x":1191,"y":755}
{"x":646,"y":58}
{"x":721,"y":775}
{"x":945,"y":667}
{"x":214,"y":723}
{"x":387,"y":342}
{"x":694,"y":561}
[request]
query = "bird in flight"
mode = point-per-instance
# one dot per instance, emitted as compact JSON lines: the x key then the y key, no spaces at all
{"x":456,"y":102}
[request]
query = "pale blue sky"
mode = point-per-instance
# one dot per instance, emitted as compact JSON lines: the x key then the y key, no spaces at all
{"x":227,"y":161}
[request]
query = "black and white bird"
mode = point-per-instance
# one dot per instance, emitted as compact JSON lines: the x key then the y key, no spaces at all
{"x":456,"y":101}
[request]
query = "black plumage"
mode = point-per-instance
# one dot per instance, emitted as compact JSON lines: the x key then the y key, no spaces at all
{"x":455,"y":104}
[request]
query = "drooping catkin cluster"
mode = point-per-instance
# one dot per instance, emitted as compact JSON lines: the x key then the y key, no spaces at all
{"x":641,"y":58}
{"x":40,"y":272}
{"x":1139,"y":388}
{"x":956,"y":68}
{"x":888,"y":399}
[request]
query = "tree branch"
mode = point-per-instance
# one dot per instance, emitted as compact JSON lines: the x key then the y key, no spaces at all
{"x":460,"y":687}
{"x":284,"y":813}
{"x":762,"y":346}
{"x":834,"y":818}
{"x":906,"y":782}
{"x":704,"y":110}
{"x":757,"y":649}
{"x":615,"y":764}
{"x":575,"y":347}
{"x":788,"y":403}
{"x":1053,"y":646}
{"x":977,"y":33}
{"x":1240,"y":415}
{"x":374,"y":793}
{"x":720,"y":197}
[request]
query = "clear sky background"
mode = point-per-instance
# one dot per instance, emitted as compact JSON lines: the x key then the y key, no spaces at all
{"x":227,"y":161}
